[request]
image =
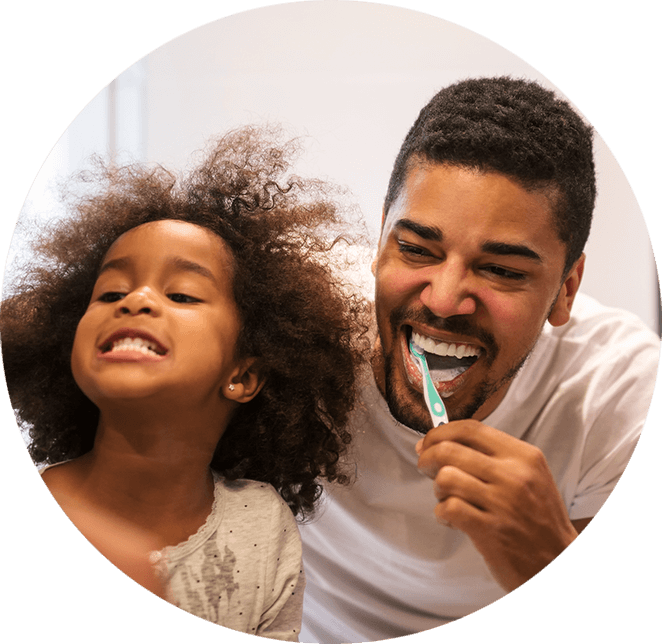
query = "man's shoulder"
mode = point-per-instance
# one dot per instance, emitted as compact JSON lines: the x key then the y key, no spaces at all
{"x":592,"y":326}
{"x":598,"y":344}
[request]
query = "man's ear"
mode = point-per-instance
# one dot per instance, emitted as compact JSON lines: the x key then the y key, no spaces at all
{"x":245,"y":382}
{"x":560,"y":312}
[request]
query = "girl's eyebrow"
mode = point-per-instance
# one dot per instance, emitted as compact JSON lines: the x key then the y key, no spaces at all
{"x":118,"y":264}
{"x":189,"y":266}
{"x":177,"y":263}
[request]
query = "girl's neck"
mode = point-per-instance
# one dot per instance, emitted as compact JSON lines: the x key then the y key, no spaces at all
{"x":150,"y":470}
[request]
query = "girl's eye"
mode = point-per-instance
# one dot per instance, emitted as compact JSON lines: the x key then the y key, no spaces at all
{"x":111,"y":296}
{"x":181,"y":298}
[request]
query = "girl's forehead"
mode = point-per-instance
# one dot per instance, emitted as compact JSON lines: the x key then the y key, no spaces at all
{"x":168,"y":229}
{"x":166,"y":237}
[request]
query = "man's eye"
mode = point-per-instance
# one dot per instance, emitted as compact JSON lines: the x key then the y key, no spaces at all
{"x":111,"y":296}
{"x":412,"y":251}
{"x":181,"y":298}
{"x":505,"y":273}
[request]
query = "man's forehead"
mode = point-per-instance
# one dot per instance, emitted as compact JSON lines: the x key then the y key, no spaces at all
{"x":433,"y":187}
{"x":511,"y":218}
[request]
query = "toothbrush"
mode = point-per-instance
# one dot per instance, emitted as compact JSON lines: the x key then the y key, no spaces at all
{"x":432,"y":398}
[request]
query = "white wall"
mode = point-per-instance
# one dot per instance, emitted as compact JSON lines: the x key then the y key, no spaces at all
{"x":352,"y":78}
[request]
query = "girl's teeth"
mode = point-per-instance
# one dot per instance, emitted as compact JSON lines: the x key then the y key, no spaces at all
{"x":134,"y":344}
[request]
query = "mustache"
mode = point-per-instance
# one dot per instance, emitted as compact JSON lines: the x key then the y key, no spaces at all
{"x":457,"y":324}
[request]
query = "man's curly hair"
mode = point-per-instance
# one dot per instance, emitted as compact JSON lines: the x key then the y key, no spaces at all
{"x":515,"y":127}
{"x":308,"y":331}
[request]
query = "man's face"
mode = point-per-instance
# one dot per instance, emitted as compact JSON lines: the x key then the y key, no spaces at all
{"x":470,"y":264}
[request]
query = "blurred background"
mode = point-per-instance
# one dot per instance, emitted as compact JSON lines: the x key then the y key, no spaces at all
{"x":348,"y":77}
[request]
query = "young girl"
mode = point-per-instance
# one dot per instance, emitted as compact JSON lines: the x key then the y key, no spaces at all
{"x":181,"y":349}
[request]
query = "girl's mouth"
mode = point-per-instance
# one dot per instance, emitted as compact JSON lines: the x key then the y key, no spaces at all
{"x":131,"y":341}
{"x":446,"y":361}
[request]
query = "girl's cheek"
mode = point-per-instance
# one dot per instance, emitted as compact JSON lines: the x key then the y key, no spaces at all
{"x":78,"y":349}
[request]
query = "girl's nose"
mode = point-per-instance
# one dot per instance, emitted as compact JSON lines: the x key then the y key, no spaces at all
{"x":140,"y":301}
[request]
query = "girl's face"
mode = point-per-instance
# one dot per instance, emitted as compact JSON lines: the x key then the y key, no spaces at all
{"x":162,"y":324}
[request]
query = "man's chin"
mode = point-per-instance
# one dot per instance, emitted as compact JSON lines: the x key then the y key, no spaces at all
{"x":409,"y":416}
{"x":417,"y":417}
{"x":413,"y":416}
{"x":407,"y":404}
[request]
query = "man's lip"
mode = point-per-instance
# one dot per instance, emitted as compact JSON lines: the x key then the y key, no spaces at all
{"x":131,"y":333}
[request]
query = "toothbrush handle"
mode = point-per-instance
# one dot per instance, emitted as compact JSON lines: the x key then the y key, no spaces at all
{"x":435,"y":405}
{"x":432,"y":399}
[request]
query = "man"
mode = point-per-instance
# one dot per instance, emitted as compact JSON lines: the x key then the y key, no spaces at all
{"x":479,"y":263}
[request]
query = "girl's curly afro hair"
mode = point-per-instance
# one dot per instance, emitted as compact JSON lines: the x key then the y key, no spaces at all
{"x":308,"y":331}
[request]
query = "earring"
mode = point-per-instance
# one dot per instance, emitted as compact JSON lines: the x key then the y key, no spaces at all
{"x":231,"y":387}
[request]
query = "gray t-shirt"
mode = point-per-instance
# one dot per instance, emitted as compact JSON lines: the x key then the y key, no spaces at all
{"x":242,"y":569}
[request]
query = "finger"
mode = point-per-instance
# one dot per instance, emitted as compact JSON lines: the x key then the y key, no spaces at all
{"x":451,"y":481}
{"x":457,"y":513}
{"x":471,"y":433}
{"x":450,"y":453}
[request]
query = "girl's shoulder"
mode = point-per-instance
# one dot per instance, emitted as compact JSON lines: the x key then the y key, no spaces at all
{"x":243,"y":490}
{"x":253,"y":500}
{"x":60,"y":478}
{"x":66,"y":481}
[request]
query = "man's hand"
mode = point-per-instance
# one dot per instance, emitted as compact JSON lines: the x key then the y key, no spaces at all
{"x":500,"y":492}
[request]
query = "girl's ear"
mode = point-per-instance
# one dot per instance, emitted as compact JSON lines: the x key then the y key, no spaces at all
{"x":245,"y":382}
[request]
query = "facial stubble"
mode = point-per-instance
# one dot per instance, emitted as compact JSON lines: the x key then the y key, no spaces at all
{"x":413,"y":412}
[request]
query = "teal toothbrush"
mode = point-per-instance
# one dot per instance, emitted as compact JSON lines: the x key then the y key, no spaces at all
{"x":432,"y":398}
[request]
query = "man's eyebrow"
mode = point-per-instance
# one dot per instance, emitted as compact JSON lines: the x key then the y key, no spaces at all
{"x":502,"y":248}
{"x":430,"y":233}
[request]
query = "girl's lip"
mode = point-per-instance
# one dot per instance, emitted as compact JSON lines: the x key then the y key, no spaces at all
{"x":129,"y":356}
{"x":127,"y":332}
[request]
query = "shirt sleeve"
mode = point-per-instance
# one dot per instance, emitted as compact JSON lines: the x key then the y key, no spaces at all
{"x":619,"y":395}
{"x":285,"y":578}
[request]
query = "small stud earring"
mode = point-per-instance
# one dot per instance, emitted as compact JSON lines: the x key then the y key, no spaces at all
{"x":231,"y":387}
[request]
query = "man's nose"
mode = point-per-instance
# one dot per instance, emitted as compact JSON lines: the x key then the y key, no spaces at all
{"x":449,"y":291}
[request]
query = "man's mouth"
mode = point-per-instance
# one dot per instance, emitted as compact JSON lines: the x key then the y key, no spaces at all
{"x":446,"y":360}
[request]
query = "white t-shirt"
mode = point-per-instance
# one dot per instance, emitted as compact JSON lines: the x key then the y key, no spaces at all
{"x":378,"y":564}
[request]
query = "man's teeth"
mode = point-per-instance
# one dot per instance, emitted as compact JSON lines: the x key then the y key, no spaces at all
{"x":446,"y":360}
{"x":452,"y":350}
{"x":135,"y":344}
